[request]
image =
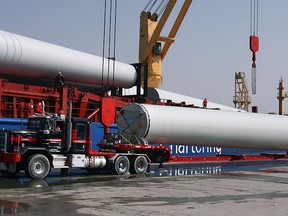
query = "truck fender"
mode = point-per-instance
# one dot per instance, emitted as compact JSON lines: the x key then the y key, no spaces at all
{"x":31,"y":151}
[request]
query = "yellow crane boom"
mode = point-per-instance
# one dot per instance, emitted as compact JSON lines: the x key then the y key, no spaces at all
{"x":151,"y":41}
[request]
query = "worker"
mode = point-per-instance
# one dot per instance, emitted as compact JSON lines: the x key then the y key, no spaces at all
{"x":205,"y":102}
{"x":59,"y":81}
{"x":61,"y":114}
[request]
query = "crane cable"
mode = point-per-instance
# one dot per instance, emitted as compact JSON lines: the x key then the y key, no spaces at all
{"x":159,"y":6}
{"x":114,"y":42}
{"x":109,"y":42}
{"x":104,"y":41}
{"x":148,"y":4}
{"x":110,"y":36}
{"x":162,"y":5}
{"x":150,"y":8}
{"x":163,"y":8}
{"x":254,"y":40}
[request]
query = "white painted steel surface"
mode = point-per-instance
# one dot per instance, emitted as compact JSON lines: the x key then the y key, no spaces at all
{"x":203,"y":127}
{"x":27,"y":57}
{"x":163,"y":96}
{"x":160,"y":95}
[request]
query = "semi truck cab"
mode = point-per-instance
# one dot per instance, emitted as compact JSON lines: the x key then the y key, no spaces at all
{"x":51,"y":141}
{"x":46,"y":136}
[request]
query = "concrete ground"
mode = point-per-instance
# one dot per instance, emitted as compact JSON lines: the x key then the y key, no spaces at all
{"x":258,"y":192}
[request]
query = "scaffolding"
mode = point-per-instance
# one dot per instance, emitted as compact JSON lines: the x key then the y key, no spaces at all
{"x":281,"y":96}
{"x":241,"y":98}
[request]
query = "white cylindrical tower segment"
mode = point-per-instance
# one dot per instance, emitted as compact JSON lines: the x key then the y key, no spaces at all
{"x":163,"y":96}
{"x":26,"y":57}
{"x":203,"y":127}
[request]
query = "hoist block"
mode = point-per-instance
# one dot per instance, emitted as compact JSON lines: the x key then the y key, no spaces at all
{"x":254,"y":43}
{"x":108,"y":111}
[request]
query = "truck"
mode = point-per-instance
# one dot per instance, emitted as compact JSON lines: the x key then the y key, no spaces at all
{"x":63,"y":142}
{"x":32,"y":71}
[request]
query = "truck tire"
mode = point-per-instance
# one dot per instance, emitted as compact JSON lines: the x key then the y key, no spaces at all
{"x":140,"y":165}
{"x":37,"y":166}
{"x":121,"y":165}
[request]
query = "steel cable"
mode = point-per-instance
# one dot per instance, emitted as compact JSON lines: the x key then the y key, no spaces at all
{"x":253,"y":32}
{"x":159,"y":6}
{"x":103,"y":42}
{"x":152,"y":6}
{"x":147,"y":5}
{"x":115,"y":31}
{"x":163,"y":8}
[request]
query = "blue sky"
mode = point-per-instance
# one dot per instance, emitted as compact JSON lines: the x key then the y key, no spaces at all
{"x":211,"y":45}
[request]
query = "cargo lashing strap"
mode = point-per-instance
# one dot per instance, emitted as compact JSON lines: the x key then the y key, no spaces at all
{"x":129,"y":127}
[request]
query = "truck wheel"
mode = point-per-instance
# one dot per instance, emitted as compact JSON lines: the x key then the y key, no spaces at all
{"x":122,"y":165}
{"x":140,"y":165}
{"x":37,"y":167}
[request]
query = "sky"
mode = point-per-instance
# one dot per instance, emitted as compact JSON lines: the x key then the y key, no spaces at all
{"x":211,"y":44}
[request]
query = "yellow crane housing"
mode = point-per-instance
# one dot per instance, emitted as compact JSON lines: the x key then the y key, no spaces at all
{"x":151,"y":42}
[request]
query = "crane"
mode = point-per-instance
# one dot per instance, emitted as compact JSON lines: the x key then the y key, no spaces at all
{"x":254,"y":40}
{"x":151,"y":40}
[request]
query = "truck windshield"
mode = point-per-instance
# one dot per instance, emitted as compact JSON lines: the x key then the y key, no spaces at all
{"x":39,"y":124}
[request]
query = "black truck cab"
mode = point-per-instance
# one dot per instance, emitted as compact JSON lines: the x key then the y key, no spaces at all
{"x":53,"y":132}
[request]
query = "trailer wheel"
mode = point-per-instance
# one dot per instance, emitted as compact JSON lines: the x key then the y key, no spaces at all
{"x":122,"y":165}
{"x":37,"y":167}
{"x":140,"y":165}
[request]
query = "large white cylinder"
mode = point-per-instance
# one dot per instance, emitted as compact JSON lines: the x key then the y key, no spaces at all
{"x":159,"y":95}
{"x":203,"y":127}
{"x":26,"y":57}
{"x":163,"y":96}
